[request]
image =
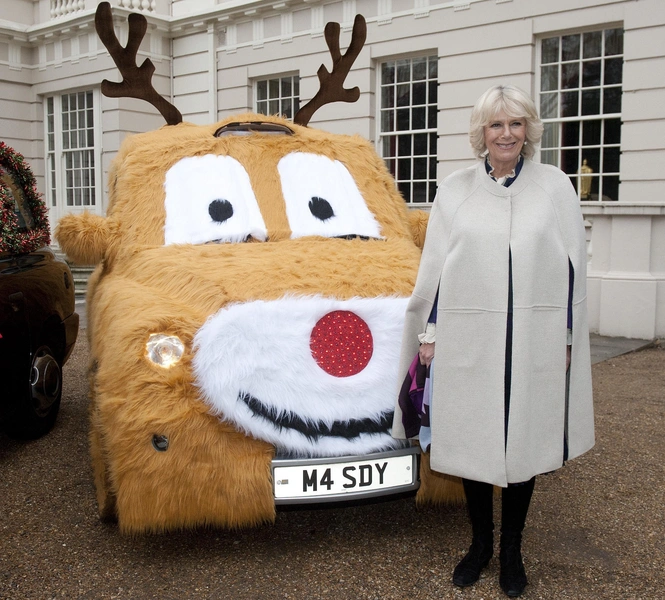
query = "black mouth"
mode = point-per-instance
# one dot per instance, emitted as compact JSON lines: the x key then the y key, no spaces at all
{"x":344,"y":429}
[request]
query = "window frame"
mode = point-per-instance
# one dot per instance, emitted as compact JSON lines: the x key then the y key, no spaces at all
{"x":55,"y":172}
{"x":280,"y":76}
{"x":600,"y":148}
{"x":432,"y":133}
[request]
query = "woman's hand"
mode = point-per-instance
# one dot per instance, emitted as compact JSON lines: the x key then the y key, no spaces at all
{"x":426,"y":354}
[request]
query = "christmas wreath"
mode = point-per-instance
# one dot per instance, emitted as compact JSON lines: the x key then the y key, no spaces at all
{"x":17,"y":178}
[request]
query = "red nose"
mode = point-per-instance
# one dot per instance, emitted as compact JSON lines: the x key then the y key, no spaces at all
{"x":341,"y":343}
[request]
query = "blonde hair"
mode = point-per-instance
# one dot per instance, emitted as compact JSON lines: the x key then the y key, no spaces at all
{"x":516,"y":104}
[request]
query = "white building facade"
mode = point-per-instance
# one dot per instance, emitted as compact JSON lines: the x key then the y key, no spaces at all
{"x":596,"y":69}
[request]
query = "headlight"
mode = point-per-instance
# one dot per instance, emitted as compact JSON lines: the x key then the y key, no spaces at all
{"x":164,"y":350}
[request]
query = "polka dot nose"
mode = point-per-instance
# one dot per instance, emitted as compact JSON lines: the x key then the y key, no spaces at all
{"x":341,"y":343}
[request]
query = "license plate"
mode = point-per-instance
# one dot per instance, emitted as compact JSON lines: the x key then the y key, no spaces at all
{"x":344,"y":478}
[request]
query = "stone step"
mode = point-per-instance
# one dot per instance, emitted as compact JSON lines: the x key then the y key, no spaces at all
{"x":80,"y":275}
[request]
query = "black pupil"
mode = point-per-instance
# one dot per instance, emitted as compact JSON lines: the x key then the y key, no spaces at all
{"x":220,"y":210}
{"x":321,"y":208}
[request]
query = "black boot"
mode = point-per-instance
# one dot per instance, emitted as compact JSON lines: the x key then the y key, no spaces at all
{"x":479,"y":503}
{"x":514,"y":507}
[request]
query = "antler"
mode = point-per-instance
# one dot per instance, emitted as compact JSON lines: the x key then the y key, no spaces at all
{"x":331,"y":85}
{"x":136,"y":81}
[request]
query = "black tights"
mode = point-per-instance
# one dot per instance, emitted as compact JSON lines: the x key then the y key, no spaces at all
{"x":515,"y":500}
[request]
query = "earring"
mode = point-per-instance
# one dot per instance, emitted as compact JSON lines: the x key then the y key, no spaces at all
{"x":525,"y":142}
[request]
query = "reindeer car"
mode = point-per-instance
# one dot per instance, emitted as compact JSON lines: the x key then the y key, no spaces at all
{"x":246,"y":314}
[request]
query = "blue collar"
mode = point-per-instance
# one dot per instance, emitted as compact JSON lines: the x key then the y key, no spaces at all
{"x":507,"y":182}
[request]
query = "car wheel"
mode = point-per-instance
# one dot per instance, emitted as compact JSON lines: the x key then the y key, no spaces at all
{"x":36,"y":413}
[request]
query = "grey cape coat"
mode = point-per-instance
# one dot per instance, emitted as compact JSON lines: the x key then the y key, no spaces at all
{"x":473,"y":225}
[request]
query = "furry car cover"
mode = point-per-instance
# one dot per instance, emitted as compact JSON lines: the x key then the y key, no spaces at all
{"x":249,"y":299}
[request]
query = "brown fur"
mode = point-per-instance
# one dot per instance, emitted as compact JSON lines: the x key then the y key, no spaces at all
{"x":437,"y":488}
{"x":211,"y":473}
{"x":418,"y":220}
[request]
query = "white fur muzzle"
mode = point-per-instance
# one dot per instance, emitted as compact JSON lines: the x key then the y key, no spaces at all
{"x":312,"y":375}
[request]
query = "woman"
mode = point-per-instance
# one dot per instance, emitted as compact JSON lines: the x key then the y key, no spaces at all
{"x":501,"y":296}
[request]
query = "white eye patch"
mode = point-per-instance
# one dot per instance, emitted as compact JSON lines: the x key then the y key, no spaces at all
{"x":210,"y":199}
{"x":322,"y":198}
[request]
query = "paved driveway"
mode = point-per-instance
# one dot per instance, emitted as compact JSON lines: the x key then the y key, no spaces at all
{"x":595,"y":529}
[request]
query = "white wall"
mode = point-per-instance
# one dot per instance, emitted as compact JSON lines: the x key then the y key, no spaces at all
{"x":207,"y":55}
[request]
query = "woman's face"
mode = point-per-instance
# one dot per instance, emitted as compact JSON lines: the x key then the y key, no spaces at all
{"x":504,"y":138}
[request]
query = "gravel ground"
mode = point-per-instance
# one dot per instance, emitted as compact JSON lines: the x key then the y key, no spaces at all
{"x":595,"y":528}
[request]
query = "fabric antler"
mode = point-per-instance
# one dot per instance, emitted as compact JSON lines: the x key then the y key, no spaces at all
{"x":331,"y":85}
{"x":136,"y":81}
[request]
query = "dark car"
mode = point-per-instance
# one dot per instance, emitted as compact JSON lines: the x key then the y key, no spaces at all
{"x":38,"y":322}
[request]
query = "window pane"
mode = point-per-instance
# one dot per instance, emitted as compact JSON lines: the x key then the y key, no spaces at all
{"x":593,"y":41}
{"x":286,"y":86}
{"x":404,"y":188}
{"x":612,"y":100}
{"x":403,"y":95}
{"x":273,"y":88}
{"x":419,"y":69}
{"x":420,"y":93}
{"x":549,"y":78}
{"x":591,"y":73}
{"x":419,"y":192}
{"x":432,"y":115}
{"x":591,"y":102}
{"x":569,"y":104}
{"x":388,"y":147}
{"x":404,"y":169}
{"x":613,"y":42}
{"x":403,"y":119}
{"x":610,"y":188}
{"x":420,"y":144}
{"x":296,"y":87}
{"x":612,"y":134}
{"x":548,"y":106}
{"x":262,"y":90}
{"x":613,"y":70}
{"x":611,"y":160}
{"x":403,"y":70}
{"x":570,"y":45}
{"x":570,"y":133}
{"x":418,"y":118}
{"x":550,"y":135}
{"x":591,"y":133}
{"x":570,"y":75}
{"x":420,"y":168}
{"x":387,"y":97}
{"x":404,"y":145}
{"x":262,"y":107}
{"x":388,"y":73}
{"x":273,"y":107}
{"x":550,"y":50}
{"x":592,"y":156}
{"x":433,"y":64}
{"x":432,"y":92}
{"x":287,"y":108}
{"x":432,"y":169}
{"x":550,"y":157}
{"x":387,"y":120}
{"x":570,"y":161}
